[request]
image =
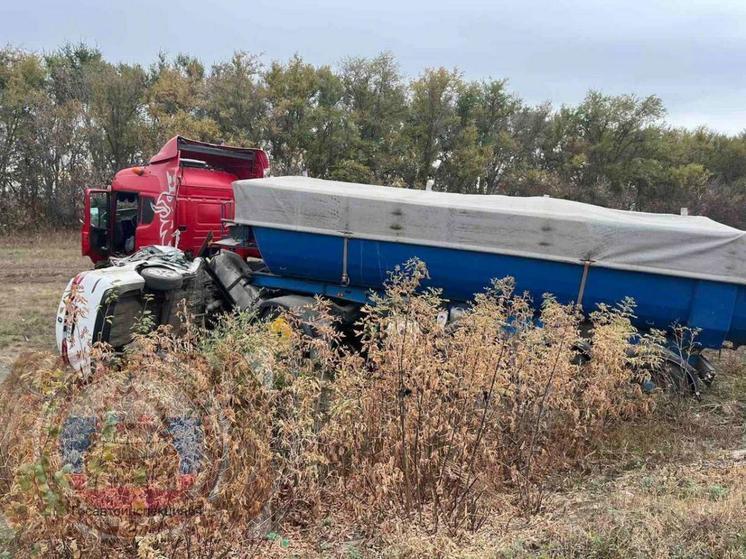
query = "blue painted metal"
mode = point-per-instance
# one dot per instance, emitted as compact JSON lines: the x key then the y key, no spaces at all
{"x":719,"y":309}
{"x":310,"y":287}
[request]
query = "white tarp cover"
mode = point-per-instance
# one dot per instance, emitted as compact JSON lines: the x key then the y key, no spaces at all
{"x":536,"y":227}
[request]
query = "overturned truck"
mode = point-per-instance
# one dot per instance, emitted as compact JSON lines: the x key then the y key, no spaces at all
{"x":340,"y":240}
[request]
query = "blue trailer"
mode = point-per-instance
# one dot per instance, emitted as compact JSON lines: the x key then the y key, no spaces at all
{"x":313,"y":264}
{"x":341,"y":240}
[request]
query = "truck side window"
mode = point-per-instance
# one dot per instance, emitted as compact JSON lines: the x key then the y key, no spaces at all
{"x":146,"y":210}
{"x":100,"y":210}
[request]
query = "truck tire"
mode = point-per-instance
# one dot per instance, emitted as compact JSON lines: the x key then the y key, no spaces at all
{"x":234,"y":276}
{"x":159,"y":278}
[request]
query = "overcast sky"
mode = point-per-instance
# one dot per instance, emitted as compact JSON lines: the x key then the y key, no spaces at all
{"x":692,"y":53}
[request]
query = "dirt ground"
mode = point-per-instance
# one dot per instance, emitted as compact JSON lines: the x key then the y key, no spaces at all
{"x":34,"y":270}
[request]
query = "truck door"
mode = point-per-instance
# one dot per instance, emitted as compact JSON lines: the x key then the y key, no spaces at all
{"x":96,"y":232}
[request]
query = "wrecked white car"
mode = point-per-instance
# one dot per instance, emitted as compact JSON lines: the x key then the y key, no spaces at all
{"x":145,"y":289}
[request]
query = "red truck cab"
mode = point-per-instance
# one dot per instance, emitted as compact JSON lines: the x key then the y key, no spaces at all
{"x":181,"y":196}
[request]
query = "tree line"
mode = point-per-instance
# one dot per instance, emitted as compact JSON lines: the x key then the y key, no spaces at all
{"x":69,"y":119}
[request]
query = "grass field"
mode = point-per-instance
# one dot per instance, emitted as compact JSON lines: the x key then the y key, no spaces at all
{"x":673,"y":485}
{"x":34,"y":270}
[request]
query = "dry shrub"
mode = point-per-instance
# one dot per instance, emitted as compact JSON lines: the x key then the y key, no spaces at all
{"x":429,"y":422}
{"x":255,"y":398}
{"x":161,"y":398}
{"x":440,"y":419}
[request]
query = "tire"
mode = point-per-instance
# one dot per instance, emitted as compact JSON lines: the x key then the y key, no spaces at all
{"x":234,"y":277}
{"x":677,"y":377}
{"x":159,"y":278}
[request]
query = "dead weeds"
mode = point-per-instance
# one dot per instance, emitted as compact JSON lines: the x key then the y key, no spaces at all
{"x":484,"y":439}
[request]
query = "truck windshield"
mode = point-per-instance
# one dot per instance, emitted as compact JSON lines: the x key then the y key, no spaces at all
{"x":100,"y":210}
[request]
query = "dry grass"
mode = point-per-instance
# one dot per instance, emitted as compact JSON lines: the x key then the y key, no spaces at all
{"x":673,"y":511}
{"x":663,"y":483}
{"x":670,"y":485}
{"x":34,"y":269}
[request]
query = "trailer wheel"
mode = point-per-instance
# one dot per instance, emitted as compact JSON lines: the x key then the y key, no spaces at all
{"x":159,"y":278}
{"x":677,"y":377}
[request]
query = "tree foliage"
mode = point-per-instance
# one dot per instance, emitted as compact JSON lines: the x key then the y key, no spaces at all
{"x":69,"y":119}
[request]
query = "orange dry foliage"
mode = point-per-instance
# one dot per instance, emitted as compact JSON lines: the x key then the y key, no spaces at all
{"x":428,"y":422}
{"x":440,"y":418}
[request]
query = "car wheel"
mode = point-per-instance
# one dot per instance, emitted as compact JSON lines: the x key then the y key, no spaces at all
{"x":159,"y":278}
